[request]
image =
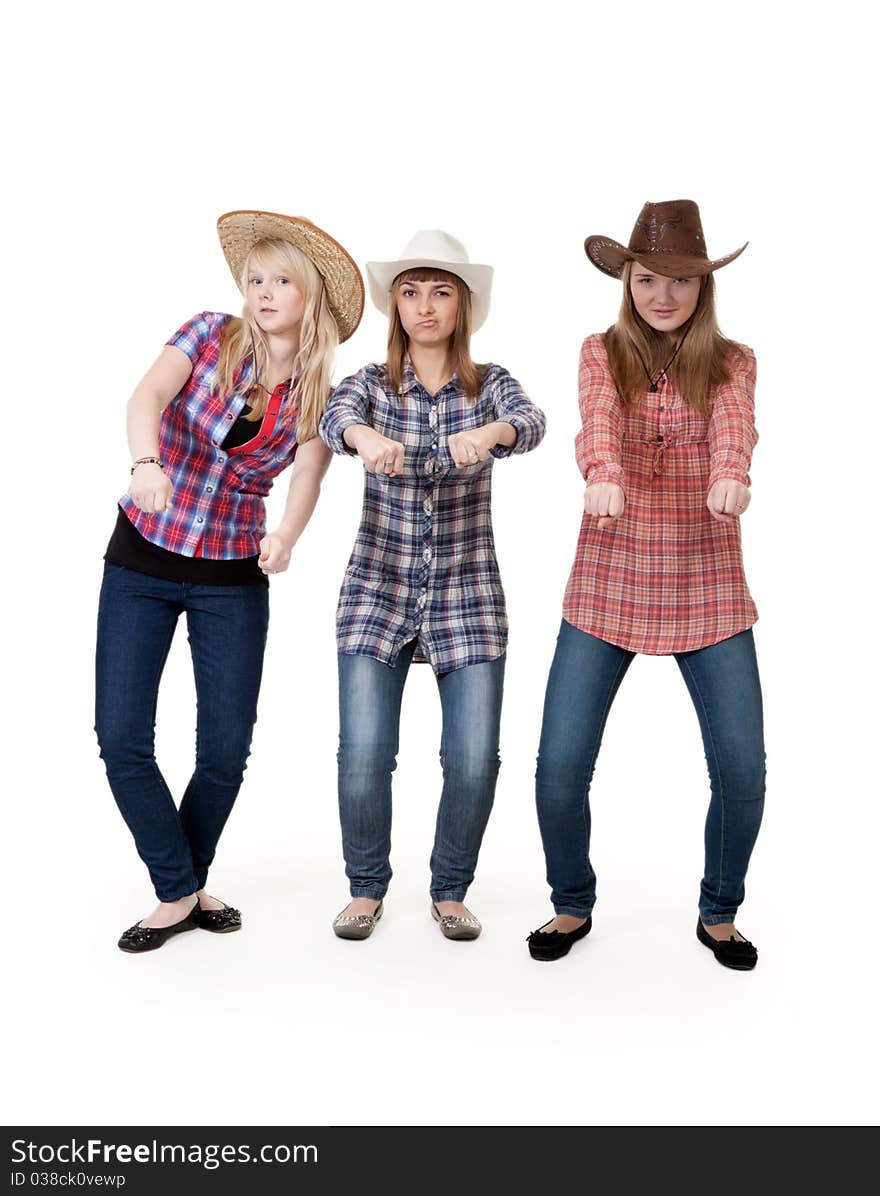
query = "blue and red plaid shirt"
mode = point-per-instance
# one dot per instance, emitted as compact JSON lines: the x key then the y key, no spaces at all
{"x":218,"y":509}
{"x":423,"y":565}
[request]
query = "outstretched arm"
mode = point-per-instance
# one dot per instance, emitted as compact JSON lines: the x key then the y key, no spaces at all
{"x":732,"y":437}
{"x":309,"y":467}
{"x":150,"y":488}
{"x":598,"y":445}
{"x":518,"y":426}
{"x":346,"y":428}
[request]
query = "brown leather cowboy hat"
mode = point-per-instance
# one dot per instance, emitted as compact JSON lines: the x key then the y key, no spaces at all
{"x":667,"y":238}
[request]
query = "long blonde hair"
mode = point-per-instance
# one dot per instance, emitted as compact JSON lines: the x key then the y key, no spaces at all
{"x":318,"y":338}
{"x":702,"y":363}
{"x":469,"y":375}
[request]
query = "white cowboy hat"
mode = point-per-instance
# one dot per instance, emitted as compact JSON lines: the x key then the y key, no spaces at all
{"x":433,"y":247}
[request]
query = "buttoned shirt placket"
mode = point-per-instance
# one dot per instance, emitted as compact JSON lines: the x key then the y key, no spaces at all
{"x":213,"y":478}
{"x":663,"y":439}
{"x":429,"y":480}
{"x":218,"y":434}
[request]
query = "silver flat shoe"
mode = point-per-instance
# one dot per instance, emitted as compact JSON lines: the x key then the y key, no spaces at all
{"x":356,"y":926}
{"x":454,"y":927}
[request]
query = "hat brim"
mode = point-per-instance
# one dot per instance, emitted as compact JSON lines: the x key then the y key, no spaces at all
{"x":240,"y":231}
{"x":610,"y":257}
{"x":477,"y":278}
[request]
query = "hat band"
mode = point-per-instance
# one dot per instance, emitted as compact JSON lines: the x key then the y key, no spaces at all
{"x":703,"y":257}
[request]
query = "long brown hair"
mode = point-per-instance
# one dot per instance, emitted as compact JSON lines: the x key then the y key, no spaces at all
{"x":702,"y":363}
{"x":469,"y":375}
{"x":318,"y":338}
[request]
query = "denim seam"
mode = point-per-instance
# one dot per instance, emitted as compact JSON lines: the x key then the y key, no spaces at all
{"x":597,"y":743}
{"x":719,"y":774}
{"x":197,"y":658}
{"x":161,"y":778}
{"x":449,"y":761}
{"x":374,"y":889}
{"x":158,"y":677}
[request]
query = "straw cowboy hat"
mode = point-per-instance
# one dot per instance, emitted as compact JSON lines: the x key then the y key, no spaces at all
{"x":240,"y":231}
{"x":667,"y":239}
{"x":433,"y":247}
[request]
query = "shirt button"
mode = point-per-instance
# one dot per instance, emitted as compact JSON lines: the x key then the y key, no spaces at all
{"x":229,"y":417}
{"x":220,"y":457}
{"x":210,"y":489}
{"x":433,"y":444}
{"x":199,"y":519}
{"x":426,"y":555}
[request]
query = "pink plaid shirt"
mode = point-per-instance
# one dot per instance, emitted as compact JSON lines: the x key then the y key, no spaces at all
{"x":666,"y":577}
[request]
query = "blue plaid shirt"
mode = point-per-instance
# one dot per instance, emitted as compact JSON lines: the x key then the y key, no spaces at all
{"x":423,"y":565}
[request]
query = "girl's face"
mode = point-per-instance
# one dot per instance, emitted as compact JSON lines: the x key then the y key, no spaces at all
{"x":664,"y":303}
{"x":273,"y":298}
{"x":427,"y":310}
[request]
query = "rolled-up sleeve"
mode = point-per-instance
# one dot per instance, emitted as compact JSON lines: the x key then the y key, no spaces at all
{"x":348,"y":405}
{"x":598,"y":445}
{"x":732,"y":434}
{"x":511,"y":405}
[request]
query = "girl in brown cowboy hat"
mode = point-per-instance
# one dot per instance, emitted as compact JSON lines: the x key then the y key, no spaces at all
{"x":667,"y":409}
{"x":423,"y":582}
{"x":228,"y":404}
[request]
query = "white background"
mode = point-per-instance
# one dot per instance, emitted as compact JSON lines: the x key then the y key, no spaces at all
{"x":520,"y":128}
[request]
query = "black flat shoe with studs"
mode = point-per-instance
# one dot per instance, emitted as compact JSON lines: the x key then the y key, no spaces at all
{"x":220,"y":921}
{"x":138,"y":939}
{"x":556,"y":943}
{"x":741,"y":956}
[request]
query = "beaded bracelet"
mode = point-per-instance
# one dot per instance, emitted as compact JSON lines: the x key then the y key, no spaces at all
{"x":146,"y":461}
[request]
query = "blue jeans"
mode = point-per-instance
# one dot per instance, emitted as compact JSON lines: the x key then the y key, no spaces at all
{"x":227,"y":635}
{"x":724,"y":686}
{"x":370,"y":694}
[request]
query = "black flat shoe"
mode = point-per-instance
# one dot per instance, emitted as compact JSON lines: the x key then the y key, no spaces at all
{"x":138,"y":939}
{"x":557,"y":943}
{"x":741,"y":956}
{"x":220,"y":921}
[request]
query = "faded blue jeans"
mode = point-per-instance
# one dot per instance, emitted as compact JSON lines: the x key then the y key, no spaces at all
{"x":726,"y":691}
{"x":227,"y":635}
{"x":370,"y":695}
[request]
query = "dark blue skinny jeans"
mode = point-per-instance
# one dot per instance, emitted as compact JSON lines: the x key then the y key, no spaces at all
{"x":227,"y":628}
{"x":726,"y":691}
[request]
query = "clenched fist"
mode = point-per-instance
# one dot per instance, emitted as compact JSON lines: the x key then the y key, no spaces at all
{"x":150,"y":489}
{"x":378,"y":453}
{"x":727,"y":500}
{"x":604,"y":500}
{"x":472,"y":445}
{"x":274,"y":553}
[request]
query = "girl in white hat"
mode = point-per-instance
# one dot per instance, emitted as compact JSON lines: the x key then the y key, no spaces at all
{"x":226,"y":407}
{"x":422,"y":583}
